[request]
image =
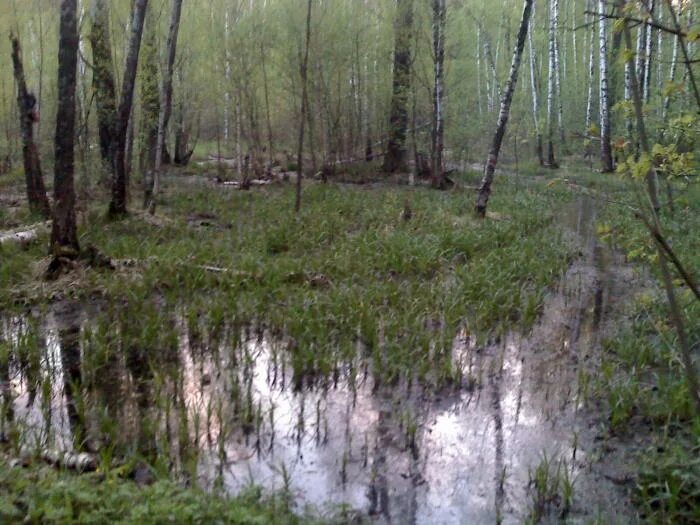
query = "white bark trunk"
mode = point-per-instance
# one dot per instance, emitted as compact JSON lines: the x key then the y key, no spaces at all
{"x":605,"y":147}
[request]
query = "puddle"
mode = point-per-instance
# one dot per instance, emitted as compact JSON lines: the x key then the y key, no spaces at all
{"x":224,"y":400}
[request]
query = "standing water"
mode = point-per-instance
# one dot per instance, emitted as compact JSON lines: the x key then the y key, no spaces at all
{"x":513,"y":442}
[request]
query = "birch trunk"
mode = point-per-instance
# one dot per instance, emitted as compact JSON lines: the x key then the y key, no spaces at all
{"x":117,"y":206}
{"x":492,"y":161}
{"x":606,"y":159}
{"x":439,"y":19}
{"x":103,"y":81}
{"x":671,"y":77}
{"x":395,"y":159}
{"x":557,"y":77}
{"x":591,"y":77}
{"x":303,"y":70}
{"x":64,"y":237}
{"x":166,"y":98}
{"x":26,"y":102}
{"x":551,"y":161}
{"x":534,"y":85}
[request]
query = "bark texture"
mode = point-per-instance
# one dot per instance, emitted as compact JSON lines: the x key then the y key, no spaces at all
{"x":304,"y":66}
{"x":36,"y":191}
{"x":553,"y":8}
{"x":606,"y":160}
{"x":492,"y":161}
{"x":117,"y":206}
{"x":166,"y":97}
{"x":439,"y":180}
{"x":103,"y":81}
{"x":64,"y":238}
{"x":395,"y":159}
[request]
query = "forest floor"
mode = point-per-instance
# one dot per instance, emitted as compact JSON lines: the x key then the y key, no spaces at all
{"x":348,"y":359}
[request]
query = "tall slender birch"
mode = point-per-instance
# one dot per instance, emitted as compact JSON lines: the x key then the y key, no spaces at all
{"x":166,"y":98}
{"x":492,"y":161}
{"x":395,"y":159}
{"x":103,"y":81}
{"x":534,"y":85}
{"x":304,"y":73}
{"x":551,"y":161}
{"x":557,"y":76}
{"x":606,"y":159}
{"x":591,"y":73}
{"x":117,"y":206}
{"x":439,"y":20}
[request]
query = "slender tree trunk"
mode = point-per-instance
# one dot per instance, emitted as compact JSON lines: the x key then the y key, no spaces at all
{"x":150,"y":103}
{"x":557,"y":79}
{"x":117,"y":207}
{"x":103,"y":81}
{"x":303,"y":70}
{"x":684,"y":49}
{"x":551,"y":161}
{"x":36,"y":191}
{"x":395,"y":159}
{"x":606,"y":159}
{"x":439,"y":21}
{"x":227,"y":80}
{"x":671,"y":76}
{"x":268,"y":120}
{"x":490,"y":169}
{"x":534,"y":86}
{"x":591,"y":78}
{"x":64,"y":237}
{"x":166,"y":97}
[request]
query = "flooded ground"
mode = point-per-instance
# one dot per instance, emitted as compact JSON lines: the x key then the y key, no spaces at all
{"x":513,"y":440}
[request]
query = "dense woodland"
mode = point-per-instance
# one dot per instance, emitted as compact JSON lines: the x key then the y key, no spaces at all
{"x":347,"y":261}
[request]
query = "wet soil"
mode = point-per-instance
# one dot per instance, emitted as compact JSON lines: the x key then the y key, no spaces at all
{"x":227,"y":409}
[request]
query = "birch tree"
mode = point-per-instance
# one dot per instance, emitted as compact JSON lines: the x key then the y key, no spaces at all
{"x":492,"y":161}
{"x":534,"y":86}
{"x":395,"y":159}
{"x":166,"y":98}
{"x":439,"y":19}
{"x":551,"y":160}
{"x":117,"y":206}
{"x":103,"y":81}
{"x":303,"y":73}
{"x":606,"y":159}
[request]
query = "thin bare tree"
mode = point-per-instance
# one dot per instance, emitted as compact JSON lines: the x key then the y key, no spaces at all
{"x":166,"y":98}
{"x":28,"y":116}
{"x":117,"y":206}
{"x":506,"y":101}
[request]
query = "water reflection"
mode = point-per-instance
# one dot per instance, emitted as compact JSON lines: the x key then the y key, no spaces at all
{"x":222,"y":405}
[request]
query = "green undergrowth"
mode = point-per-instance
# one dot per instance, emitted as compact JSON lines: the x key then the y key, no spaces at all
{"x":642,"y":375}
{"x":348,"y":267}
{"x":49,"y":496}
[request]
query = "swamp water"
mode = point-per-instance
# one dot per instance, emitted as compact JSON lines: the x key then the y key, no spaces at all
{"x":505,"y":444}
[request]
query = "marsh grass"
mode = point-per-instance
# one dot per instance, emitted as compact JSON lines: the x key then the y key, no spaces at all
{"x":642,"y":378}
{"x":345,"y":285}
{"x":49,"y":496}
{"x":346,"y":266}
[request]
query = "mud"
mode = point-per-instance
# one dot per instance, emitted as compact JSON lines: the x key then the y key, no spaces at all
{"x":223,"y":406}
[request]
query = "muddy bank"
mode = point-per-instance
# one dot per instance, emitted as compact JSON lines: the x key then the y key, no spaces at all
{"x":506,"y":442}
